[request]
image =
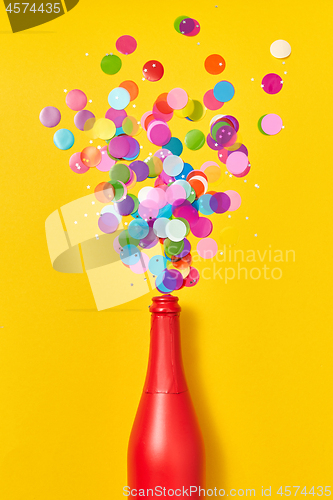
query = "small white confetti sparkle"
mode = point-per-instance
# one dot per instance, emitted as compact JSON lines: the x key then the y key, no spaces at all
{"x":285,"y":72}
{"x":87,"y":54}
{"x":99,"y":147}
{"x":221,"y":253}
{"x":262,"y":85}
{"x":226,"y":173}
{"x":229,"y":216}
{"x":246,"y":218}
{"x":86,"y":215}
{"x":141,"y":147}
{"x":91,"y":141}
{"x":252,"y":79}
{"x":65,"y":90}
{"x":245,"y":180}
{"x":230,"y":175}
{"x":143,"y":79}
{"x":75,"y":222}
{"x":256,"y":235}
{"x":126,"y":223}
{"x":97,"y":213}
{"x":134,"y":105}
{"x":282,"y":126}
{"x":88,"y":187}
{"x":97,"y":237}
{"x":220,"y":64}
{"x":145,"y":70}
{"x":93,"y":203}
{"x":90,"y":100}
{"x":281,"y":81}
{"x":154,"y":65}
{"x":198,"y":43}
{"x":283,"y":62}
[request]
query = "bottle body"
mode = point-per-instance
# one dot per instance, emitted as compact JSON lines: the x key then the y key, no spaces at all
{"x":166,"y":448}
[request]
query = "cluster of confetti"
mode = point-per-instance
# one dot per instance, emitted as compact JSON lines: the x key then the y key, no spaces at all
{"x":187,"y":26}
{"x":183,"y":197}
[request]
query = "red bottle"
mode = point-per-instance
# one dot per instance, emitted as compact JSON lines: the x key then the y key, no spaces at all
{"x":166,"y":448}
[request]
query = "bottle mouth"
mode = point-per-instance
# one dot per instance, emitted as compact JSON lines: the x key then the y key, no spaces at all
{"x":165,"y":304}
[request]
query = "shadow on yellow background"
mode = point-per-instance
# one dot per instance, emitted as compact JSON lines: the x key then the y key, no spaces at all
{"x":257,"y":351}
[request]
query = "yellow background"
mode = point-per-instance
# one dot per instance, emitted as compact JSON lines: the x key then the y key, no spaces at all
{"x":257,"y":353}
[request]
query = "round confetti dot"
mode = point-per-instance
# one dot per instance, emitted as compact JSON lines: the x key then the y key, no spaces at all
{"x":175,"y":192}
{"x":177,"y":98}
{"x":130,"y":126}
{"x":157,"y":264}
{"x":81,"y":117}
{"x":224,"y":91}
{"x":130,"y":255}
{"x":212,"y":171}
{"x":158,"y":133}
{"x":178,"y":21}
{"x":50,"y":116}
{"x":104,"y":192}
{"x":202,"y":228}
{"x":175,"y":146}
{"x":108,"y":223}
{"x":196,"y":29}
{"x":119,"y":98}
{"x":235,"y":200}
{"x":76,"y":100}
{"x":159,"y":227}
{"x":141,"y":169}
{"x":173,"y":247}
{"x":148,"y":209}
{"x":187,"y":110}
{"x":116,"y":115}
{"x":158,"y":195}
{"x":120,"y":172}
{"x":204,"y":204}
{"x":272,"y":83}
{"x":119,"y":147}
{"x":207,"y":248}
{"x":184,"y":173}
{"x":210,"y":102}
{"x":280,"y":49}
{"x":214,"y":64}
{"x":176,"y":230}
{"x":138,"y":229}
{"x":104,"y":128}
{"x":195,"y":139}
{"x":192,"y":278}
{"x":219,"y":203}
{"x":184,"y":184}
{"x":155,"y":165}
{"x":161,"y":116}
{"x":153,"y":71}
{"x":91,"y":156}
{"x":126,"y":44}
{"x":237,"y":162}
{"x":143,"y":193}
{"x":131,"y":88}
{"x":187,"y":25}
{"x":63,"y":139}
{"x":125,"y":238}
{"x":141,"y":266}
{"x":106,"y":162}
{"x":198,"y":112}
{"x":111,"y":64}
{"x":271,"y":125}
{"x":173,"y":165}
{"x":77,"y":165}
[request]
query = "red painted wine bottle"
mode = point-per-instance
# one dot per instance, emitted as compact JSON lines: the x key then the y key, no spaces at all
{"x":166,"y":448}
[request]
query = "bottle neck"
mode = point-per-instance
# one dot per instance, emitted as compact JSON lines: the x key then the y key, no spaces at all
{"x":165,"y":372}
